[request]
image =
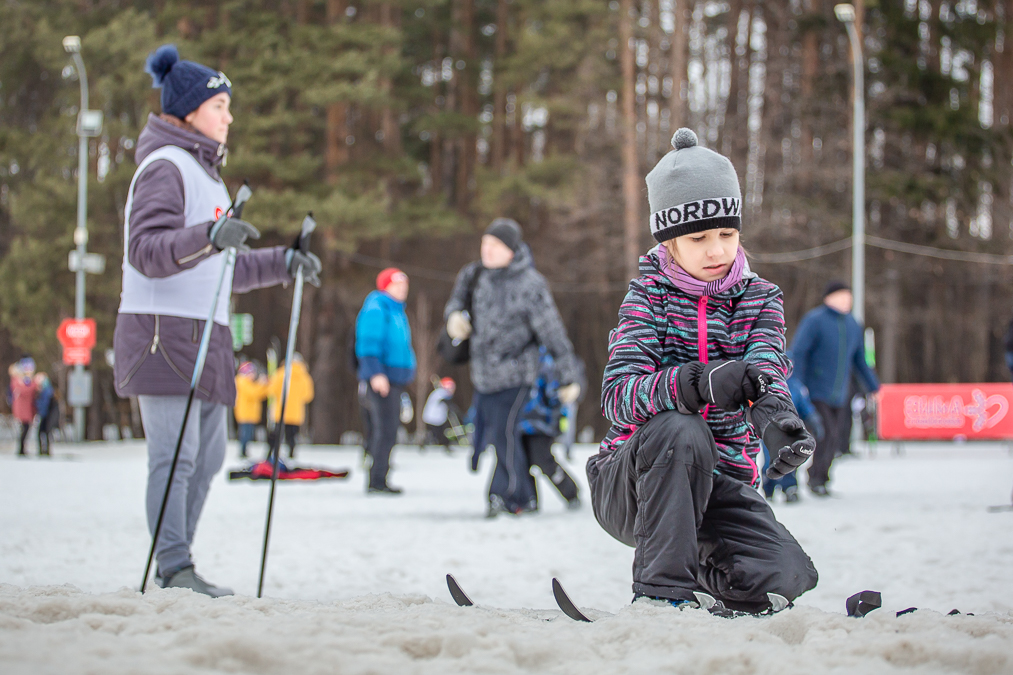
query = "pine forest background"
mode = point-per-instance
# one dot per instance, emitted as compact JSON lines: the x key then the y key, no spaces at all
{"x":405,"y":126}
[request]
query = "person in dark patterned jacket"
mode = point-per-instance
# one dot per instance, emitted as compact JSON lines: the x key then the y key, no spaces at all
{"x":512,"y":314}
{"x":695,"y":377}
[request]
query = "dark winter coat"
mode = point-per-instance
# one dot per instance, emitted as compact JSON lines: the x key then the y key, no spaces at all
{"x":512,"y":314}
{"x":661,"y":328}
{"x":827,"y":346}
{"x":155,"y":355}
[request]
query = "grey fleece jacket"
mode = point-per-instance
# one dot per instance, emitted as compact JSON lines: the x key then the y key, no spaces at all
{"x":155,"y":355}
{"x":512,"y":314}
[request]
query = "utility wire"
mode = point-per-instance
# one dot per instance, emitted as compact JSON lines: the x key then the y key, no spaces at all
{"x":763,"y":258}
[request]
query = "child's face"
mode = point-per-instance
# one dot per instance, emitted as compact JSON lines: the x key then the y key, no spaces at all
{"x":707,"y":255}
{"x":213,"y":118}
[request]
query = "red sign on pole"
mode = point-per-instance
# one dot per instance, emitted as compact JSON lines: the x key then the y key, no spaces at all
{"x":945,"y":411}
{"x":77,"y":337}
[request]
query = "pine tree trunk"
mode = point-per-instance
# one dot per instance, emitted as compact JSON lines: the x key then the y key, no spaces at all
{"x":335,"y":148}
{"x":465,"y":50}
{"x":677,"y":62}
{"x":390,"y":17}
{"x":632,"y":227}
{"x":731,"y":124}
{"x":499,"y":129}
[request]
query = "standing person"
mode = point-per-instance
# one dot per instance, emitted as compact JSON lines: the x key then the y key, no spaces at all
{"x":829,"y":346}
{"x":176,"y":226}
{"x":436,"y":412}
{"x":300,"y":394}
{"x":696,"y":371}
{"x":251,"y":391}
{"x":49,"y":412}
{"x":789,"y":481}
{"x":383,"y":348}
{"x":512,"y":314}
{"x":23,"y":391}
{"x":540,"y":420}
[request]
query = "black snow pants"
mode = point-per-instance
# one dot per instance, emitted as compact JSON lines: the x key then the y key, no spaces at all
{"x":384,"y":416}
{"x":539,"y":451}
{"x":836,"y":439}
{"x":693,"y":529}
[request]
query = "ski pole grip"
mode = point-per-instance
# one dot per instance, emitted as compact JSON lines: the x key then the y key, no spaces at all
{"x":308,"y":225}
{"x":242,"y":196}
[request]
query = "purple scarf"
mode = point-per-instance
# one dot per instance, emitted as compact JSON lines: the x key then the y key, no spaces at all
{"x":689,"y":284}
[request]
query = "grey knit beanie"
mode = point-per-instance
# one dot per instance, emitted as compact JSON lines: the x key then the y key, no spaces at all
{"x":692,"y":189}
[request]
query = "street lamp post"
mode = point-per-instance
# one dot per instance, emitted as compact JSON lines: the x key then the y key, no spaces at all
{"x":89,"y":124}
{"x":846,"y":14}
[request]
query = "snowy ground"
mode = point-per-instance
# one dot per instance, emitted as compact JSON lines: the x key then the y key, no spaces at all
{"x":356,"y":584}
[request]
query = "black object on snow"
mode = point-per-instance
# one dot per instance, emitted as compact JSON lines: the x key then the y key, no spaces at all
{"x":860,"y":604}
{"x":566,"y":604}
{"x":460,"y":597}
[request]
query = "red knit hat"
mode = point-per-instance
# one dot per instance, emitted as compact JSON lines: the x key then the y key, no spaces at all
{"x":389,"y":275}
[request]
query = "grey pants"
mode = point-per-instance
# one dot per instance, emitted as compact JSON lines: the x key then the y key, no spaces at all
{"x":200,"y":458}
{"x":693,"y":528}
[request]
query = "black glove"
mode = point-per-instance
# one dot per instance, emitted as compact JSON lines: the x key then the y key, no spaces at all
{"x":311,"y":266}
{"x":784,"y":434}
{"x":231,"y":232}
{"x":729,"y":385}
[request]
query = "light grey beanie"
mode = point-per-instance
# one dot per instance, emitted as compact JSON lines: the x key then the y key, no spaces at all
{"x":692,"y":189}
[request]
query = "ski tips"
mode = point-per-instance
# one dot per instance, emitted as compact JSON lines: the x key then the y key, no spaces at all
{"x":566,"y":604}
{"x":457,"y":593}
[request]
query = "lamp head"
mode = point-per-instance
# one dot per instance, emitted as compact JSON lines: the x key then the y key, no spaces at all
{"x":845,"y":13}
{"x":72,"y":44}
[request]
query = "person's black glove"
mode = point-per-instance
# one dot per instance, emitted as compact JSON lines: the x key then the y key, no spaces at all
{"x":729,"y":385}
{"x":231,"y":232}
{"x":789,"y":442}
{"x":311,"y":265}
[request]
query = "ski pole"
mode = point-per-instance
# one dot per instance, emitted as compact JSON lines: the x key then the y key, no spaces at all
{"x":238,"y":203}
{"x":302,"y":244}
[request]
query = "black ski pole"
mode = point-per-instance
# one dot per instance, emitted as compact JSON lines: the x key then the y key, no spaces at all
{"x":302,"y":244}
{"x":238,"y":203}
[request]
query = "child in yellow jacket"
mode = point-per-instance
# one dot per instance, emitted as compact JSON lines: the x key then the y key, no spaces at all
{"x":251,"y":390}
{"x":300,"y":393}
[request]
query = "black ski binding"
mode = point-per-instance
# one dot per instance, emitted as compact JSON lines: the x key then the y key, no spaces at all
{"x":860,"y":604}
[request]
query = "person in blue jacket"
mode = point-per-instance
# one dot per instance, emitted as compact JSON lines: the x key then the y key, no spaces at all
{"x":829,"y":347}
{"x":386,"y":364}
{"x":49,"y":412}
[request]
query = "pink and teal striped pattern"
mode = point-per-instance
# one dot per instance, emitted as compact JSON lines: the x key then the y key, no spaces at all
{"x":658,"y":331}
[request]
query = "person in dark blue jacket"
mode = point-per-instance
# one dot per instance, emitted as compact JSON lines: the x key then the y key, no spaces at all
{"x":386,"y":364}
{"x":49,"y":412}
{"x":829,"y":347}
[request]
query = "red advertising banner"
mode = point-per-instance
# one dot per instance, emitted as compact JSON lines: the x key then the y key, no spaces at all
{"x":77,"y":337}
{"x":945,"y":411}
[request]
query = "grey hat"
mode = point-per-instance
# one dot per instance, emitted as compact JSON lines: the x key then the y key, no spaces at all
{"x":692,"y":189}
{"x":507,"y":231}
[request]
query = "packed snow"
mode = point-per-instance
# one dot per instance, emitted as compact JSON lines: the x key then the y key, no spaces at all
{"x":356,"y":583}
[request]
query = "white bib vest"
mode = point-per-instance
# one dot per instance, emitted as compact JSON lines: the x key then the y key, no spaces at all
{"x":188,"y":293}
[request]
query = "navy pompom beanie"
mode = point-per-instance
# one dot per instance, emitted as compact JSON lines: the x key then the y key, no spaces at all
{"x":185,"y":84}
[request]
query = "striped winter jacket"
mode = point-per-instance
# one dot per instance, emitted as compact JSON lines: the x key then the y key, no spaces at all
{"x":661,"y":327}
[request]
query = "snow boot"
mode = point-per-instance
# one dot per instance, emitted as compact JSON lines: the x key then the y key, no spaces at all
{"x":188,"y":578}
{"x":791,"y":495}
